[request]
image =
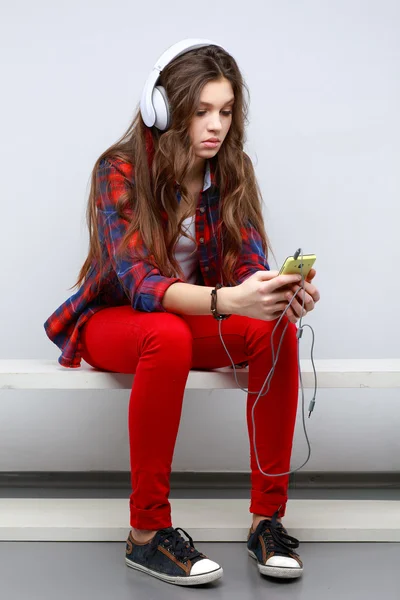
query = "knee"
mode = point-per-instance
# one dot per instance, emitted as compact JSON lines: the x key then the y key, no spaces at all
{"x":265,"y":330}
{"x":173,"y":336}
{"x":290,"y":329}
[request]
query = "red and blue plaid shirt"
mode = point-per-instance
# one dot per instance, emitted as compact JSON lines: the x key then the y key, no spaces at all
{"x":137,"y":282}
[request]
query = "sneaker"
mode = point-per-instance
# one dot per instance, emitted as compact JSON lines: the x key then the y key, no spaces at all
{"x":273,"y":549}
{"x":168,"y":556}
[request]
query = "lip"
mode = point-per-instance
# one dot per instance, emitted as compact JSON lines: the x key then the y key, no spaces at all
{"x":209,"y":144}
{"x":213,"y":139}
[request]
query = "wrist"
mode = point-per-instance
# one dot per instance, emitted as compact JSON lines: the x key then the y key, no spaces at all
{"x":226,"y":304}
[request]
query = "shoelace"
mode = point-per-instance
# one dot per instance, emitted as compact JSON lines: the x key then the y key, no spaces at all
{"x":277,"y":538}
{"x":173,"y":542}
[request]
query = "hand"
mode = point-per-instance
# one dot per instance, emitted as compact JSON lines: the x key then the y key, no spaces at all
{"x":311,"y":296}
{"x":260,"y":296}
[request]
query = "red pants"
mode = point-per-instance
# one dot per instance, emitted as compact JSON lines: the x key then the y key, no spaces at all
{"x":161,"y":348}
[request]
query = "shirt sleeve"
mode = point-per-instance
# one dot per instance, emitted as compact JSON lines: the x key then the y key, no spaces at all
{"x":144,"y":285}
{"x":252,"y":256}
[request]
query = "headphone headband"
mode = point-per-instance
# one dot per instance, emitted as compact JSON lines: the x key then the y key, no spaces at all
{"x":154,"y":102}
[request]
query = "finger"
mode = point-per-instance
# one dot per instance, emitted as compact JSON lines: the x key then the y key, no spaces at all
{"x":291,"y":316}
{"x":280,"y":306}
{"x":298,"y":300}
{"x":290,"y":313}
{"x":267,"y":275}
{"x":306,"y":285}
{"x":302,"y":295}
{"x":288,"y":295}
{"x":310,"y":289}
{"x":281,"y":281}
{"x":311,"y":274}
{"x":297,"y":308}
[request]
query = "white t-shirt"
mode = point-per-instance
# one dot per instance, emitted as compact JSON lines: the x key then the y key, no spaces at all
{"x":185,"y":251}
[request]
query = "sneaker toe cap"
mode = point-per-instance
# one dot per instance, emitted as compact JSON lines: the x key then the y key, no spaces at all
{"x":282,"y":561}
{"x":205,"y":565}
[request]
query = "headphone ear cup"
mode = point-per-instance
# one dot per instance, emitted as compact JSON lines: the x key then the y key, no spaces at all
{"x":161,"y":108}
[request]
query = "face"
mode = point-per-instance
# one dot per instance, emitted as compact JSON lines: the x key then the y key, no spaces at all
{"x":212,"y":119}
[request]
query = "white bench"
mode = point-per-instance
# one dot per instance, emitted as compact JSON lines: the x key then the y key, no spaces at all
{"x":331,"y":373}
{"x":30,"y":519}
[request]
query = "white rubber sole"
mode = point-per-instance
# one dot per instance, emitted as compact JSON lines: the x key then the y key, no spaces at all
{"x":281,"y":572}
{"x":190,"y":580}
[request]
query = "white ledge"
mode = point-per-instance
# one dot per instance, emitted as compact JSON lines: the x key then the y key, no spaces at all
{"x":206,"y":520}
{"x":331,"y":373}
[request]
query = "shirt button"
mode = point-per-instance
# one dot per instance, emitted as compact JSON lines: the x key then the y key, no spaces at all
{"x":201,"y":240}
{"x":202,"y":209}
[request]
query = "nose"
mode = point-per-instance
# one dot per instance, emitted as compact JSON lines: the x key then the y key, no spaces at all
{"x":215,"y":123}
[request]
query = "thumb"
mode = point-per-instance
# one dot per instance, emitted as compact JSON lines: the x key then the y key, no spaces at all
{"x":311,"y":275}
{"x":266,"y":275}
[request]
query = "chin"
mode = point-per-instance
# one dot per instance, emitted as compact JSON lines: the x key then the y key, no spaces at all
{"x":208,"y":151}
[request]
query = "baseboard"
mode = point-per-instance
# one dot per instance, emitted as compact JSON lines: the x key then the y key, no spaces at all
{"x":215,"y":520}
{"x":192,"y":480}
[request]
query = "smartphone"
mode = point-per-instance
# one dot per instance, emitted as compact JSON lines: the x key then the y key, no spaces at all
{"x":296,"y":266}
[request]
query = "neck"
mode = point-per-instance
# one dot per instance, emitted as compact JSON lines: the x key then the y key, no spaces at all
{"x":197,"y":172}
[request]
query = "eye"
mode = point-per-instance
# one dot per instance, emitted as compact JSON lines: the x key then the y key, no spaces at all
{"x":226,"y":113}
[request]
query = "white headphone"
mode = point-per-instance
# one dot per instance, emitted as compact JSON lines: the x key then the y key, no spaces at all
{"x":154,"y":105}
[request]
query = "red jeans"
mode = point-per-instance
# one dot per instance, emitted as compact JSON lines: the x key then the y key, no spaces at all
{"x":161,"y":348}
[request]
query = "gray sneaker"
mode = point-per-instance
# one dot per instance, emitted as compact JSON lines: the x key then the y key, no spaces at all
{"x":274,"y":549}
{"x":168,"y":556}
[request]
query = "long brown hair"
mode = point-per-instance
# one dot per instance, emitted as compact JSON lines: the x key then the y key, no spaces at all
{"x":172,"y":159}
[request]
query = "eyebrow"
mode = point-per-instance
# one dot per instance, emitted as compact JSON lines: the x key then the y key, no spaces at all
{"x":208,"y":103}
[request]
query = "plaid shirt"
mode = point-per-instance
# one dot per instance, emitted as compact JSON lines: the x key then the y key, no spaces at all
{"x":137,"y":282}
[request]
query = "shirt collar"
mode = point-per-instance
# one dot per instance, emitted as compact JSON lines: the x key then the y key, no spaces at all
{"x":209,"y":176}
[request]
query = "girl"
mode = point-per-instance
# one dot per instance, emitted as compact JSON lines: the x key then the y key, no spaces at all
{"x":175,"y":209}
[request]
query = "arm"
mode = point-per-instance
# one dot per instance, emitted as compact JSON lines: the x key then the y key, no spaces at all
{"x":146,"y":288}
{"x":252,"y":257}
{"x":188,"y":299}
{"x":142,"y":282}
{"x":196,"y":300}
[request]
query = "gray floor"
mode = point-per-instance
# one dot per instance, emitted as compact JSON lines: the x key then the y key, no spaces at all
{"x":87,"y":570}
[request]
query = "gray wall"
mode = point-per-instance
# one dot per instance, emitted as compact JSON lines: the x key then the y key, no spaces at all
{"x":324,"y":137}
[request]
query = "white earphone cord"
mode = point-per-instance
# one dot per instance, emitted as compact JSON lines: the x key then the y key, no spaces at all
{"x":270,"y":374}
{"x":151,"y":117}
